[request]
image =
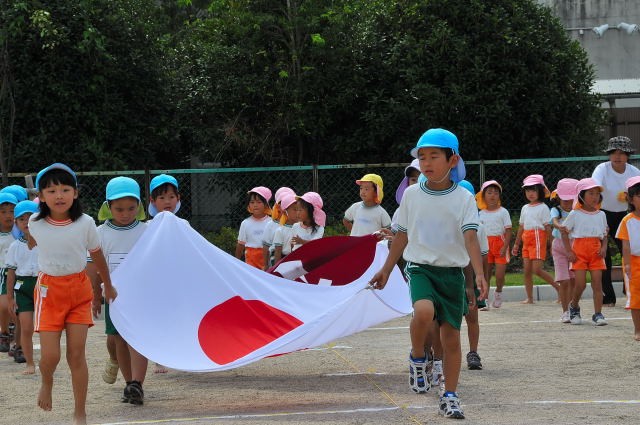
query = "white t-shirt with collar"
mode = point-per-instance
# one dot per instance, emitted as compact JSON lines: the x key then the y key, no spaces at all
{"x":613,"y":183}
{"x":22,"y":259}
{"x":367,"y":220}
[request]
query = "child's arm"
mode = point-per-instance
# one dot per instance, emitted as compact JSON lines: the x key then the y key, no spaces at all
{"x":277,"y":254}
{"x":239,"y":250}
{"x":571,"y":256}
{"x":507,"y":241}
{"x":92,"y":272}
{"x":11,"y":281}
{"x":473,"y":249}
{"x":102,"y":268}
{"x":266,"y":256}
{"x":516,"y":245}
{"x":626,"y":257}
{"x":347,"y":224}
{"x":468,"y":286}
{"x":603,"y":244}
{"x":379,"y":280}
{"x":547,"y":229}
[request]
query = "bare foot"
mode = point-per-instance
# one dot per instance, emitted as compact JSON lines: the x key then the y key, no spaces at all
{"x":44,"y":398}
{"x":160,"y":369}
{"x":527,"y":301}
{"x":80,"y":419}
{"x":30,"y":370}
{"x":637,"y":337}
{"x":558,"y":301}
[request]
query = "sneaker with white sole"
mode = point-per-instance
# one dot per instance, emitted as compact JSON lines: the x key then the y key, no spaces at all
{"x":419,"y":381}
{"x":473,"y":361}
{"x":436,"y":372}
{"x":565,"y":317}
{"x":574,"y":315}
{"x":450,"y":406}
{"x":598,"y":319}
{"x":497,"y":299}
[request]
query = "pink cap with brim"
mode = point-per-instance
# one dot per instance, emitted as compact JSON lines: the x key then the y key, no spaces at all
{"x":265,"y":192}
{"x":586,"y":184}
{"x":280,"y":192}
{"x":631,"y":181}
{"x":535,"y":179}
{"x":404,"y":184}
{"x":566,"y":189}
{"x":314,"y":199}
{"x":490,"y":183}
{"x":287,"y":200}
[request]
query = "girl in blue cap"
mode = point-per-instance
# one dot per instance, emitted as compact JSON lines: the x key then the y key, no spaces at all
{"x":7,"y":203}
{"x":63,"y":294}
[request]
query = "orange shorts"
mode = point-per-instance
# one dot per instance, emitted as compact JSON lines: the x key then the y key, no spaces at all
{"x":254,"y":257}
{"x":534,"y":244}
{"x":587,"y":252}
{"x":62,"y":299}
{"x":495,"y":245}
{"x":633,"y":286}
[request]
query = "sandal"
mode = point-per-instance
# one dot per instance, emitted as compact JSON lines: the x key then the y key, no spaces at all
{"x":110,"y":371}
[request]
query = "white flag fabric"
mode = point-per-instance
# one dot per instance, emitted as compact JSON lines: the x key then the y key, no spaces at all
{"x":186,"y":304}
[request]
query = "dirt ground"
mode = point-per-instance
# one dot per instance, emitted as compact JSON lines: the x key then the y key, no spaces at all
{"x":536,"y":371}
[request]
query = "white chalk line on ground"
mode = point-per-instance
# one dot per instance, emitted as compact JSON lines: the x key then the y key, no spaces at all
{"x":349,"y":411}
{"x":391,"y":328}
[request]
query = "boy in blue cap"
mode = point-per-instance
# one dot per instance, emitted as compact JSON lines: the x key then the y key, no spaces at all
{"x":437,"y":225}
{"x":7,"y":203}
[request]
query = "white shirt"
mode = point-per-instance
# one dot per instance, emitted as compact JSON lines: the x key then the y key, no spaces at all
{"x":269,"y":233}
{"x":63,"y":245}
{"x":613,"y":183}
{"x":118,"y":241}
{"x":483,"y":241}
{"x":583,"y":224}
{"x":435,"y":222}
{"x":495,"y":222}
{"x":367,"y":220}
{"x":251,"y":231}
{"x":535,"y":217}
{"x":6,"y":239}
{"x":306,"y":233}
{"x":283,"y":237}
{"x":22,"y":259}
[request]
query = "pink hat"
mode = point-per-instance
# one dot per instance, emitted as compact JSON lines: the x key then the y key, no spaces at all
{"x":280,"y":192}
{"x":314,"y":199}
{"x":287,"y":200}
{"x":631,"y":181}
{"x":535,"y":179}
{"x":404,"y":184}
{"x":566,"y":189}
{"x":490,"y":183}
{"x":586,"y":184}
{"x":265,"y":192}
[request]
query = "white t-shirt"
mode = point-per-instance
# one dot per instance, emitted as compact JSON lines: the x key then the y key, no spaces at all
{"x":535,"y":217}
{"x":495,"y":222}
{"x":482,"y":240}
{"x":583,"y":224}
{"x":306,"y":233}
{"x":367,"y":220}
{"x":561,"y":216}
{"x":63,"y":245}
{"x":269,"y":233}
{"x":283,"y":237}
{"x":613,"y":183}
{"x":252,"y":230}
{"x":6,"y":239}
{"x":22,"y":259}
{"x":435,"y":222}
{"x":118,"y":241}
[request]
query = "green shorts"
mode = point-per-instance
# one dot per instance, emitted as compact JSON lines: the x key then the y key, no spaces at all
{"x":109,"y":328}
{"x":3,"y":281}
{"x":23,"y":290}
{"x":444,"y":286}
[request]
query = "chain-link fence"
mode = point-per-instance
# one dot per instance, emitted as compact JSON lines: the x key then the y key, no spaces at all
{"x":216,"y":198}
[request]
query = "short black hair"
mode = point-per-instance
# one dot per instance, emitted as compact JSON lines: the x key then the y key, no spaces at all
{"x":309,"y":207}
{"x":538,"y":188}
{"x":58,"y":176}
{"x":633,"y":191}
{"x":254,"y":195}
{"x":581,"y":197}
{"x":164,"y":188}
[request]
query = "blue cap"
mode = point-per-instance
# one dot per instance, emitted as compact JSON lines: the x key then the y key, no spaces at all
{"x":436,"y":138}
{"x":18,"y":191}
{"x":161,"y":179}
{"x":7,"y":198}
{"x":24,"y":207}
{"x":121,"y":187}
{"x":467,"y":185}
{"x":55,"y":166}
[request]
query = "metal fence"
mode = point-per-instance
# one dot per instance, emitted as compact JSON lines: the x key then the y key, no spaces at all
{"x":216,"y":198}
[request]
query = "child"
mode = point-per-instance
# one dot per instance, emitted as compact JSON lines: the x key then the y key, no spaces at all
{"x":532,"y":233}
{"x":252,"y":228}
{"x":497,"y":223}
{"x":411,"y":174}
{"x":586,"y":225}
{"x":164,"y":195}
{"x":284,"y":234}
{"x":311,"y":220}
{"x":22,"y":271}
{"x":63,"y":293}
{"x":566,"y":193}
{"x":437,"y":225}
{"x":367,"y":217}
{"x":7,"y":204}
{"x":117,"y":236}
{"x":629,"y":234}
{"x":268,"y":248}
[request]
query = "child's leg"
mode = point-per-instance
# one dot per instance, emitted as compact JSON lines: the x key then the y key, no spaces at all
{"x":26,"y":339}
{"x":16,"y":336}
{"x":565,"y":295}
{"x":581,"y":283}
{"x":420,"y":326}
{"x":138,"y":365}
{"x":528,"y":281}
{"x":488,"y":270}
{"x":473,"y":329}
{"x":537,"y":266}
{"x":124,"y":360}
{"x":596,"y":287}
{"x":111,"y":348}
{"x":76,"y":345}
{"x":450,"y":338}
{"x":4,"y":317}
{"x":49,"y":358}
{"x":635,"y":315}
{"x":436,"y":343}
{"x":501,"y":270}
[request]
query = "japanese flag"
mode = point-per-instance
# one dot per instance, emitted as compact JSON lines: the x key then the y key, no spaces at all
{"x":222,"y":313}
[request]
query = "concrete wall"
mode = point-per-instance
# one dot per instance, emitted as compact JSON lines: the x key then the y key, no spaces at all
{"x":616,"y":54}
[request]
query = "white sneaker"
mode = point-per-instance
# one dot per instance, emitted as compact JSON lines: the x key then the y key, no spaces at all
{"x":565,"y":317}
{"x":450,"y":406}
{"x":436,"y":372}
{"x":497,"y":299}
{"x":419,"y":381}
{"x":598,"y":319}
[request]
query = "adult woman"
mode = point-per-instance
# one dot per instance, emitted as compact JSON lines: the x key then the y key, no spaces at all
{"x":612,"y":176}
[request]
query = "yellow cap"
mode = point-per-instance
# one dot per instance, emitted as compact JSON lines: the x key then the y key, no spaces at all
{"x":377,"y":180}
